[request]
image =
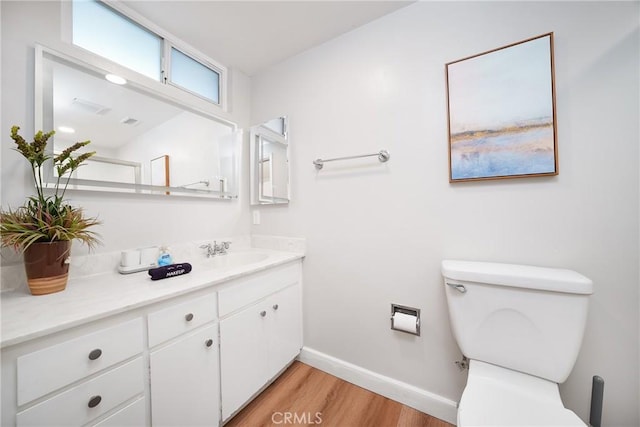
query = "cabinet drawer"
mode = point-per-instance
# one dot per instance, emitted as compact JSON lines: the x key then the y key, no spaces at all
{"x":51,"y":368}
{"x":71,"y":408}
{"x":180,"y":318}
{"x":132,"y":415}
{"x":252,"y":289}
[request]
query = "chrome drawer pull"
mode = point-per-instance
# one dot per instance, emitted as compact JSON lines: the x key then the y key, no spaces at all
{"x":189,"y":317}
{"x":275,"y":306}
{"x":263,"y":313}
{"x":95,"y":354}
{"x":94,"y":401}
{"x":208,"y":342}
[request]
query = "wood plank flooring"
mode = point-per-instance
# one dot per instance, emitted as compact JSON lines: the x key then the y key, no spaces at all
{"x":305,"y":396}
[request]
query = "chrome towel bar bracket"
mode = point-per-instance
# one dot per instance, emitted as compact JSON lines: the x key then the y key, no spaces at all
{"x":383,"y":156}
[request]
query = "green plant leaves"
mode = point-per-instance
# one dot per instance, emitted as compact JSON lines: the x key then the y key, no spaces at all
{"x":47,"y":218}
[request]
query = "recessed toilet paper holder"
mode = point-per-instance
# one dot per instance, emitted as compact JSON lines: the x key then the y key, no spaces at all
{"x":408,"y":311}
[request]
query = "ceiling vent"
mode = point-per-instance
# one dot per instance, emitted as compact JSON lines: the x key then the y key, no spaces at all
{"x":129,"y":121}
{"x":90,"y":107}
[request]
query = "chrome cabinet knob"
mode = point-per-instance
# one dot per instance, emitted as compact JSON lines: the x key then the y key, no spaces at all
{"x":188,"y":317}
{"x":275,"y":306}
{"x":208,"y":342}
{"x":263,"y":313}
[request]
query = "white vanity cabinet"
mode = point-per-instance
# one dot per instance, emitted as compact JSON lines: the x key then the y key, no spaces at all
{"x":260,"y":333}
{"x":187,"y":352}
{"x":184,"y":372}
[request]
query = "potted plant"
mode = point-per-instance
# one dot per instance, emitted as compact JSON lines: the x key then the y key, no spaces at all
{"x":43,"y":228}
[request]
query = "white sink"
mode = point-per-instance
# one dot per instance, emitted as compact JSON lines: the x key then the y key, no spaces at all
{"x":235,"y":259}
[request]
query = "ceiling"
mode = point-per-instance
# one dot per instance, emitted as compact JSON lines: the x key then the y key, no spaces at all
{"x":101,"y":111}
{"x":253,"y":35}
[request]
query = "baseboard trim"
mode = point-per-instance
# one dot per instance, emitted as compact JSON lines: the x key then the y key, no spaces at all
{"x":399,"y":391}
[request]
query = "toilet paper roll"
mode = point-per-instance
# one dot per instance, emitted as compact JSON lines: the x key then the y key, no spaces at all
{"x":405,"y":322}
{"x":130,"y":258}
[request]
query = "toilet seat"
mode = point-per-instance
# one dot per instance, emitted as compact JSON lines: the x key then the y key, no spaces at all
{"x":496,"y":396}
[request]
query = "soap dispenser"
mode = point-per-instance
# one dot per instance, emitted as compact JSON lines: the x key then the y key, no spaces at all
{"x":165,"y":257}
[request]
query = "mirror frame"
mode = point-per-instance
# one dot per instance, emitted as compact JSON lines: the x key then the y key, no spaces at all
{"x":255,"y":147}
{"x":43,"y":119}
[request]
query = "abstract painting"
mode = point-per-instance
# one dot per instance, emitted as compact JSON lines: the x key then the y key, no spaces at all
{"x":501,"y":112}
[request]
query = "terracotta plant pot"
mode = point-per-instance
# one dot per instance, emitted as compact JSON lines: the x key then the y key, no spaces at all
{"x":46,"y":266}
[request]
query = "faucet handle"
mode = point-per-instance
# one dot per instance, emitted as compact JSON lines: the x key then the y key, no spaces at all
{"x":209,"y":249}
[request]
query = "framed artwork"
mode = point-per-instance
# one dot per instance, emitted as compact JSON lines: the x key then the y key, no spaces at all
{"x":501,"y":113}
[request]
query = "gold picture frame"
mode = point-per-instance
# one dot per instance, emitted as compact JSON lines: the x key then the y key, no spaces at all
{"x":501,"y":112}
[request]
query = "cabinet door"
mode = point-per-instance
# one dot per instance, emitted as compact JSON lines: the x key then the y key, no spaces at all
{"x":184,"y":381}
{"x":285,"y":328}
{"x":243,"y":356}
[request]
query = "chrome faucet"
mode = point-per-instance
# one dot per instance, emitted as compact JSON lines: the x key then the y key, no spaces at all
{"x":222,"y":249}
{"x":210,"y":250}
{"x":216,"y":249}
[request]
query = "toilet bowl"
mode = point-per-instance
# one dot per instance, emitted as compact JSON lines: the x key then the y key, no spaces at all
{"x":500,"y":397}
{"x":521,"y":327}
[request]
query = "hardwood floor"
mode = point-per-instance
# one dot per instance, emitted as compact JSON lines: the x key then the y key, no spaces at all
{"x":307,"y":396}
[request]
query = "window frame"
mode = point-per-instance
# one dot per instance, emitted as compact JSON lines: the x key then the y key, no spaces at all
{"x":195,"y":56}
{"x":156,"y":73}
{"x":168,"y":41}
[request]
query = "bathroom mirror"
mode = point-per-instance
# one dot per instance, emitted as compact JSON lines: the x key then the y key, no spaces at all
{"x":270,"y":162}
{"x":145,"y":142}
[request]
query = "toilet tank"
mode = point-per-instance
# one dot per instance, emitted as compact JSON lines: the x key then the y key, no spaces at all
{"x":529,"y":319}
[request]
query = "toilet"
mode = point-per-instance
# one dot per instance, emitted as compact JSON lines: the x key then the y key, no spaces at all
{"x":521,"y":328}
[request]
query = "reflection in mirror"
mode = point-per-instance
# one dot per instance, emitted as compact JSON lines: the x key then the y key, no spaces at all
{"x":160,"y":172}
{"x":270,"y":163}
{"x":139,"y":136}
{"x":97,"y":167}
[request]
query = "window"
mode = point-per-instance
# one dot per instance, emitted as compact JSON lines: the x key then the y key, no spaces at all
{"x":108,"y":33}
{"x":104,"y":31}
{"x":194,"y":76}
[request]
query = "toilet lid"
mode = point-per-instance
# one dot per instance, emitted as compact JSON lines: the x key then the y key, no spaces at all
{"x":496,"y":396}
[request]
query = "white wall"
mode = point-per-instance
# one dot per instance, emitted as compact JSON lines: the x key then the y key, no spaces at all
{"x":1,"y":107}
{"x":174,"y":220}
{"x":377,"y":233}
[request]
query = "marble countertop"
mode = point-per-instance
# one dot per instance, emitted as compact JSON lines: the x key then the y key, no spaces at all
{"x":25,"y":317}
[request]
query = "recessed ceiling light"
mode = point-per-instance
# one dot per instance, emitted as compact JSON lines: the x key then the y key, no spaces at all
{"x":116,"y":79}
{"x":66,"y":129}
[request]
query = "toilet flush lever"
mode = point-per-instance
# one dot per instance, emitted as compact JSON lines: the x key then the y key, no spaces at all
{"x":458,"y":287}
